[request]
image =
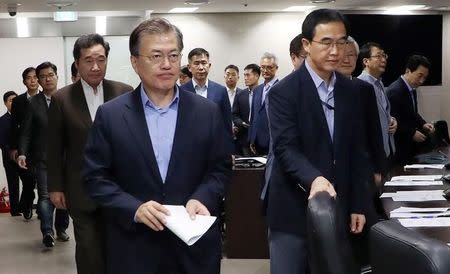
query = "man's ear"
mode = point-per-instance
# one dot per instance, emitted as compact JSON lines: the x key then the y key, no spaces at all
{"x":133,"y":61}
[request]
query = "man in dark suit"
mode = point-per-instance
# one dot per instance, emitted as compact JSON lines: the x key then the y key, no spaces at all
{"x":71,"y":113}
{"x":18,"y":110}
{"x":231,"y":76}
{"x":241,"y":108}
{"x":11,"y":172}
{"x":297,"y":52}
{"x":179,"y":156}
{"x":316,"y":143}
{"x":258,"y":132}
{"x":33,"y":153}
{"x":199,"y":66}
{"x":402,"y":94}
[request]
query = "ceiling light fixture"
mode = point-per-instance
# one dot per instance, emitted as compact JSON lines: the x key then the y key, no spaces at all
{"x":182,"y":10}
{"x":405,"y":9}
{"x":60,"y":4}
{"x":197,"y":2}
{"x":322,"y":1}
{"x":299,"y":8}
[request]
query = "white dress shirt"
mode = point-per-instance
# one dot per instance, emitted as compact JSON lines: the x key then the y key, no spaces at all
{"x":202,"y":91}
{"x":93,"y":100}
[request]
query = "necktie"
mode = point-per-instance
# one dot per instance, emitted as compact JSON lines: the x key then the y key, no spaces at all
{"x":414,"y":99}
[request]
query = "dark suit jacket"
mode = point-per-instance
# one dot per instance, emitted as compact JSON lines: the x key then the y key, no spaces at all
{"x":240,"y":112}
{"x":304,"y":150}
{"x":408,"y":119}
{"x":33,"y":136}
{"x":5,"y":135}
{"x":218,"y":94}
{"x":69,"y":124}
{"x":18,"y":110}
{"x":120,"y":172}
{"x":258,"y":132}
{"x":371,"y":127}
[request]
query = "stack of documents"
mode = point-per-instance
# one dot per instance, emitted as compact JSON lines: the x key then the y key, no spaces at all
{"x":422,"y":217}
{"x":425,"y":222}
{"x":422,"y":166}
{"x":415,"y":180}
{"x":415,"y":195}
{"x":188,"y":230}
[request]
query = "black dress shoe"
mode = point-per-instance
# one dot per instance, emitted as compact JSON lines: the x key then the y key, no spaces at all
{"x":27,"y":214}
{"x":14,"y":214}
{"x":62,"y":236}
{"x":48,"y":240}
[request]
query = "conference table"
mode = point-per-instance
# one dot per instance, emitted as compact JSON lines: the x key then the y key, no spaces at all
{"x":439,"y":233}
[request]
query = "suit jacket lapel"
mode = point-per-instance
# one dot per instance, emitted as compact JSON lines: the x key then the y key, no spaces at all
{"x":107,"y":91}
{"x":135,"y":119}
{"x":79,"y":99}
{"x":339,"y":113}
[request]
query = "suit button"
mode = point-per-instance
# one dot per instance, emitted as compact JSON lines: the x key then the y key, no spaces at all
{"x":334,"y":162}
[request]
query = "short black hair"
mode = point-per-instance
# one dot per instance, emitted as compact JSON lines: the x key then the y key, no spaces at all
{"x":185,"y":70}
{"x":232,"y":67}
{"x":414,"y":61}
{"x":7,"y":94}
{"x":254,"y":68}
{"x":73,"y":70}
{"x":26,"y":71}
{"x":196,"y":52}
{"x":44,"y":66}
{"x":89,"y":40}
{"x":296,"y":45}
{"x":366,"y":50}
{"x":321,"y":16}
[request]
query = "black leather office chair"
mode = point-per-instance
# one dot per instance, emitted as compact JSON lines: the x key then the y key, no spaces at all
{"x":329,"y":247}
{"x":395,"y":249}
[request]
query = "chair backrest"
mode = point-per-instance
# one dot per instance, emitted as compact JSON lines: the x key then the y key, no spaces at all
{"x":396,"y":249}
{"x":440,"y":136}
{"x":328,"y":244}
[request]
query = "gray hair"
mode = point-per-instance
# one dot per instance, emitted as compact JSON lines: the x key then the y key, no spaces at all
{"x":268,"y":55}
{"x":352,"y":40}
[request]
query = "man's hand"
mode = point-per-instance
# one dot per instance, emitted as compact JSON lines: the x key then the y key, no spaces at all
{"x":13,"y":154}
{"x":392,"y":125}
{"x":357,"y":223}
{"x":194,"y":207}
{"x":377,"y":179}
{"x":152,"y":214}
{"x":428,"y":127}
{"x":253,"y":149}
{"x":58,"y":199}
{"x":321,"y":184}
{"x":419,"y":137}
{"x":22,"y":162}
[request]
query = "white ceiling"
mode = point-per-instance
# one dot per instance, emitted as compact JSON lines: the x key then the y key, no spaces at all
{"x":163,"y":6}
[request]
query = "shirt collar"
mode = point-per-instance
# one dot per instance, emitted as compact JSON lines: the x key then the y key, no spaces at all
{"x":407,"y":84}
{"x":147,"y":102}
{"x":87,"y":87}
{"x":271,"y":82}
{"x":196,"y":84}
{"x":316,"y":78}
{"x":370,"y":78}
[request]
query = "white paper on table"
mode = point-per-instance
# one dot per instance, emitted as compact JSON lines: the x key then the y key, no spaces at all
{"x":418,"y":215}
{"x":416,"y":178}
{"x":422,"y":166}
{"x":425,"y":222}
{"x":262,"y":160}
{"x":415,"y":195}
{"x":188,"y":230}
{"x":388,"y":195}
{"x":420,"y":209}
{"x":414,"y":183}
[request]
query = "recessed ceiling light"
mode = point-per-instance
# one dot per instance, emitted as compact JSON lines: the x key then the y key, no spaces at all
{"x":405,"y":9}
{"x":182,"y":10}
{"x":60,"y":4}
{"x":322,"y":1}
{"x":197,"y":2}
{"x":299,"y":8}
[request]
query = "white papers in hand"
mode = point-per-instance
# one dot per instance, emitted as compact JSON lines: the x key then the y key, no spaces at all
{"x":188,"y":230}
{"x":416,"y":178}
{"x":425,"y":222}
{"x":422,"y":166}
{"x":414,"y":183}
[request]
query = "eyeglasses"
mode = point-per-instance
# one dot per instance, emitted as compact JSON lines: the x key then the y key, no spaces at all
{"x":158,"y":58}
{"x":267,"y":67}
{"x":380,"y":55}
{"x":329,"y":43}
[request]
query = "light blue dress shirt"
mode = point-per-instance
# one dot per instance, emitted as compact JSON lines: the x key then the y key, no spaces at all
{"x":161,"y":124}
{"x":326,"y":95}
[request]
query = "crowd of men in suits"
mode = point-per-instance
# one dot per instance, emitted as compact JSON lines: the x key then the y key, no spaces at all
{"x":113,"y":165}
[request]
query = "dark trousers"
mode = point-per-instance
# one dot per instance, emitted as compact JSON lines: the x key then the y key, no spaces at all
{"x":12,"y":177}
{"x":28,"y":184}
{"x":90,"y":242}
{"x":288,"y":253}
{"x":46,"y":207}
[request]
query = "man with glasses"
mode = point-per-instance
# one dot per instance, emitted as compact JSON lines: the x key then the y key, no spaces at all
{"x":317,"y":144}
{"x":158,"y":145}
{"x":199,"y":65}
{"x":374,"y":61}
{"x":297,"y":52}
{"x":71,"y":113}
{"x":33,"y":154}
{"x":402,"y":95}
{"x":258,"y":132}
